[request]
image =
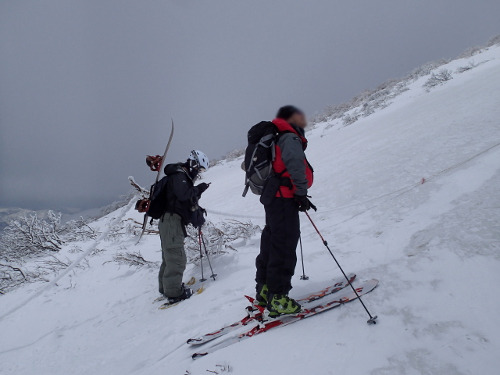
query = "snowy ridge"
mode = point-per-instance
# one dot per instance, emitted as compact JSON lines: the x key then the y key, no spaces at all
{"x":407,"y":195}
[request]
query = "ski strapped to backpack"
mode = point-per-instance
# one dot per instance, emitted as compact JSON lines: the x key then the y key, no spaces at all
{"x":259,"y":156}
{"x":159,"y":170}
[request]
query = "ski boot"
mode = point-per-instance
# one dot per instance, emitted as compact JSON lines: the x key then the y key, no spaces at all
{"x":261,"y":297}
{"x":281,"y":304}
{"x":186,"y":293}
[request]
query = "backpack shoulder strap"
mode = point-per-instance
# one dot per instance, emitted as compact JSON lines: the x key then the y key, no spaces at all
{"x":281,"y":133}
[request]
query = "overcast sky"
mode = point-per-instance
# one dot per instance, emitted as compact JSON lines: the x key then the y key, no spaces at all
{"x":87,"y":88}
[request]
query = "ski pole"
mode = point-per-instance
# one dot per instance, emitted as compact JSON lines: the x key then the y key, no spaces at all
{"x":373,"y":319}
{"x":214,"y":275}
{"x":201,"y":258}
{"x":303,"y":277}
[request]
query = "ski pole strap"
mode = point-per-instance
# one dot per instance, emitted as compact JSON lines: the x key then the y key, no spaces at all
{"x":245,"y":191}
{"x":313,"y":206}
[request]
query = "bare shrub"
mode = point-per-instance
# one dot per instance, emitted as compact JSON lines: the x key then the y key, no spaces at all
{"x":41,"y":269}
{"x":134,"y":259}
{"x":144,"y":193}
{"x":10,"y":277}
{"x":437,"y":79}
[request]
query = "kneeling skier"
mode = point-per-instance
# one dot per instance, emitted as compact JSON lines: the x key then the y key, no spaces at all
{"x":277,"y":259}
{"x":179,"y":208}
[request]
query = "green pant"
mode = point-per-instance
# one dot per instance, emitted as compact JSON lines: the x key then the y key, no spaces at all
{"x":173,"y":255}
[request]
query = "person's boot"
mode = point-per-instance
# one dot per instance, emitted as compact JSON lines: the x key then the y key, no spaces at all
{"x":281,"y":304}
{"x":186,"y":293}
{"x":262,"y":294}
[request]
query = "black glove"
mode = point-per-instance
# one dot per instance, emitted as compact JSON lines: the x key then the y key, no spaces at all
{"x":202,"y":187}
{"x":304,"y":203}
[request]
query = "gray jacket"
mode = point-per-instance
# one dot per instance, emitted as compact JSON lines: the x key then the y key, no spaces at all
{"x":293,"y":156}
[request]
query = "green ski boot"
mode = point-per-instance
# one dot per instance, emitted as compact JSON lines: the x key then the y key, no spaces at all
{"x":281,"y":304}
{"x":262,"y":293}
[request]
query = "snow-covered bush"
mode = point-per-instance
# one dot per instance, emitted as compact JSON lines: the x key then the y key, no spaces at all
{"x":234,"y":154}
{"x":349,"y":119}
{"x":369,"y":101}
{"x":31,"y":237}
{"x":364,"y":104}
{"x":494,"y":41}
{"x":231,"y":155}
{"x":469,"y":66}
{"x":128,"y":227}
{"x":78,"y":230}
{"x":425,"y":69}
{"x":437,"y":79}
{"x":124,"y":200}
{"x":219,"y":238}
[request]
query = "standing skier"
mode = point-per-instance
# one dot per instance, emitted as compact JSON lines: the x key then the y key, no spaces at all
{"x":277,"y":259}
{"x":180,"y":208}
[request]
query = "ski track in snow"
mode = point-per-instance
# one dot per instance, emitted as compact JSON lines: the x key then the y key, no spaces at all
{"x":435,"y":247}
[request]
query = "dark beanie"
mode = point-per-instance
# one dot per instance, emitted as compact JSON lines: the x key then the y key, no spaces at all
{"x":287,"y":111}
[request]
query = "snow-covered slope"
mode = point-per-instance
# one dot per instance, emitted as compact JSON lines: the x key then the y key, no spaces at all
{"x":408,"y":195}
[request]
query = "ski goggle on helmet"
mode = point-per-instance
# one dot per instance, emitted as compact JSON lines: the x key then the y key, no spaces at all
{"x":200,"y":159}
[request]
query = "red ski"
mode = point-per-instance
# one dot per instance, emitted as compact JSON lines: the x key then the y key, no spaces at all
{"x":338,"y":299}
{"x":255,"y":315}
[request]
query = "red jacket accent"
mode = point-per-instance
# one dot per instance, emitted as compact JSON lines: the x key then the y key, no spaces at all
{"x":279,"y":165}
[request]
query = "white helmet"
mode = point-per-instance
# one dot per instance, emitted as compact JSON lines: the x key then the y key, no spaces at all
{"x":200,"y":158}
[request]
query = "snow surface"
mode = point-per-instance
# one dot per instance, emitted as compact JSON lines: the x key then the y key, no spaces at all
{"x":434,"y":246}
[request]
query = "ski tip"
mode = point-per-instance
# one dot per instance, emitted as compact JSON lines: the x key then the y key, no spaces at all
{"x":250,"y":299}
{"x":192,"y":341}
{"x":198,"y":355}
{"x":191,"y":281}
{"x":167,"y":305}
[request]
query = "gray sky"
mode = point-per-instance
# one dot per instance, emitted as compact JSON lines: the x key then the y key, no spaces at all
{"x":87,"y":88}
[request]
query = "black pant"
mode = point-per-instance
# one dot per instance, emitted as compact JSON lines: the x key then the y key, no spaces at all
{"x":277,"y":259}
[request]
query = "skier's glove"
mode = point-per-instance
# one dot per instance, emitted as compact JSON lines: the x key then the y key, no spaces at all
{"x":304,"y":203}
{"x":142,"y":205}
{"x":201,"y":188}
{"x":154,"y":162}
